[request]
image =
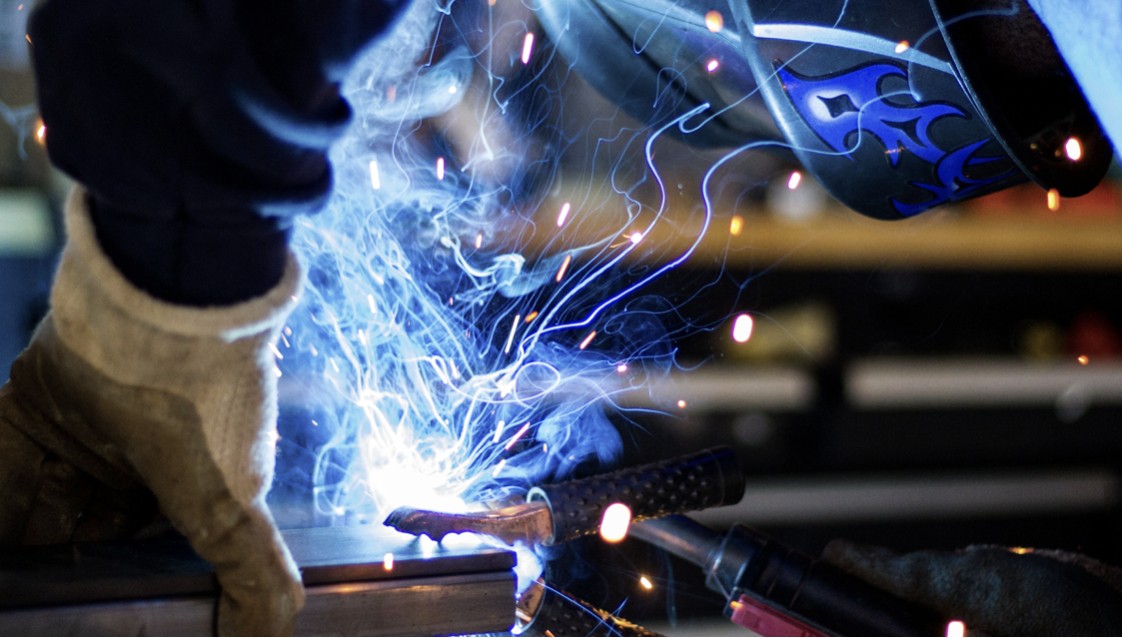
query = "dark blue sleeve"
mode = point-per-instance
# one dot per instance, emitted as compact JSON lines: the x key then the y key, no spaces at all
{"x":199,"y":127}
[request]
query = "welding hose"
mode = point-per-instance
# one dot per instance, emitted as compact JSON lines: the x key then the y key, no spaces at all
{"x":752,"y":570}
{"x":709,"y":478}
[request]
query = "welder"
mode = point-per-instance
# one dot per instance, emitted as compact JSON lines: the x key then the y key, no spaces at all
{"x":196,"y":131}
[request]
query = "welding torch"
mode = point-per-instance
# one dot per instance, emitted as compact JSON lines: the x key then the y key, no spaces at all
{"x":559,"y":512}
{"x":770,"y":588}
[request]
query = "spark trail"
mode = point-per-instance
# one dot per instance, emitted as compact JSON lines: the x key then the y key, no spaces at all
{"x":444,"y":363}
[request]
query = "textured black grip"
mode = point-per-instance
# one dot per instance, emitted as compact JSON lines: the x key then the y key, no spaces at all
{"x":563,"y":615}
{"x":684,"y":484}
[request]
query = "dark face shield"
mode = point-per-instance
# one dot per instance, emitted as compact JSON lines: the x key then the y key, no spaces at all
{"x":896,"y":106}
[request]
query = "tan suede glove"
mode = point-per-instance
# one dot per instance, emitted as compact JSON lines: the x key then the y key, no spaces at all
{"x":997,"y":591}
{"x":120,"y":393}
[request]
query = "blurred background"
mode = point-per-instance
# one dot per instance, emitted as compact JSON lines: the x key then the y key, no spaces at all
{"x":951,"y":379}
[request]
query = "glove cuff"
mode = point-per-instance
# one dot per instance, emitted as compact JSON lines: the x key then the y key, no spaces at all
{"x":85,"y":265}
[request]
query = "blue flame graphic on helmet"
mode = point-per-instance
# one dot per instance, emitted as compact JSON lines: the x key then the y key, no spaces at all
{"x":952,"y":181}
{"x":839,"y":107}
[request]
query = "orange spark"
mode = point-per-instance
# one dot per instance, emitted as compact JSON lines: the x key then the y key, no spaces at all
{"x":564,"y":267}
{"x":615,"y":523}
{"x":714,"y":21}
{"x":564,"y":214}
{"x":587,"y":340}
{"x":736,"y":225}
{"x":742,"y":328}
{"x":1053,"y":199}
{"x":794,"y":180}
{"x":1073,"y":149}
{"x":517,"y":435}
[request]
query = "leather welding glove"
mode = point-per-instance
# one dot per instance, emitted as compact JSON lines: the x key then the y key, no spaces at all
{"x":119,"y":389}
{"x":997,"y":591}
{"x":197,"y":129}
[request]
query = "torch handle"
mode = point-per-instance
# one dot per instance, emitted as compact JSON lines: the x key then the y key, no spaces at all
{"x":697,"y":481}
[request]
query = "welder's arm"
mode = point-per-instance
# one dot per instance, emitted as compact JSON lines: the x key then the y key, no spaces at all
{"x":997,"y":591}
{"x":196,"y":129}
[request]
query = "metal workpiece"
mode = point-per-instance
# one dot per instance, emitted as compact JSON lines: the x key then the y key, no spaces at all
{"x":359,"y":581}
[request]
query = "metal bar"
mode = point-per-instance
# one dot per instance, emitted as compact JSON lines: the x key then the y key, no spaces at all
{"x":161,"y":588}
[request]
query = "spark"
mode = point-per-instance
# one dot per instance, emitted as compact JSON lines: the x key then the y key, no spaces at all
{"x":530,"y":317}
{"x":499,"y":427}
{"x":452,"y":89}
{"x":615,"y":522}
{"x":527,"y":47}
{"x":635,"y":237}
{"x":478,"y":240}
{"x":794,"y":180}
{"x":587,"y":340}
{"x":440,"y":168}
{"x":28,"y":38}
{"x":41,"y":133}
{"x":646,"y":582}
{"x":1073,"y":149}
{"x":1083,"y":359}
{"x":375,"y":176}
{"x":277,"y":352}
{"x":510,"y":337}
{"x":498,"y":467}
{"x":742,"y":328}
{"x":563,"y":216}
{"x":682,"y":403}
{"x":714,"y":21}
{"x":564,"y":267}
{"x":712,"y":65}
{"x":1053,"y":199}
{"x":956,"y":629}
{"x":517,"y":435}
{"x":622,"y":368}
{"x":736,"y":225}
{"x":903,"y":45}
{"x":1021,"y":550}
{"x":387,"y":561}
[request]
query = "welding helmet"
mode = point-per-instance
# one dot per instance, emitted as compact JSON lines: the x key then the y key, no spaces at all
{"x":895,"y":106}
